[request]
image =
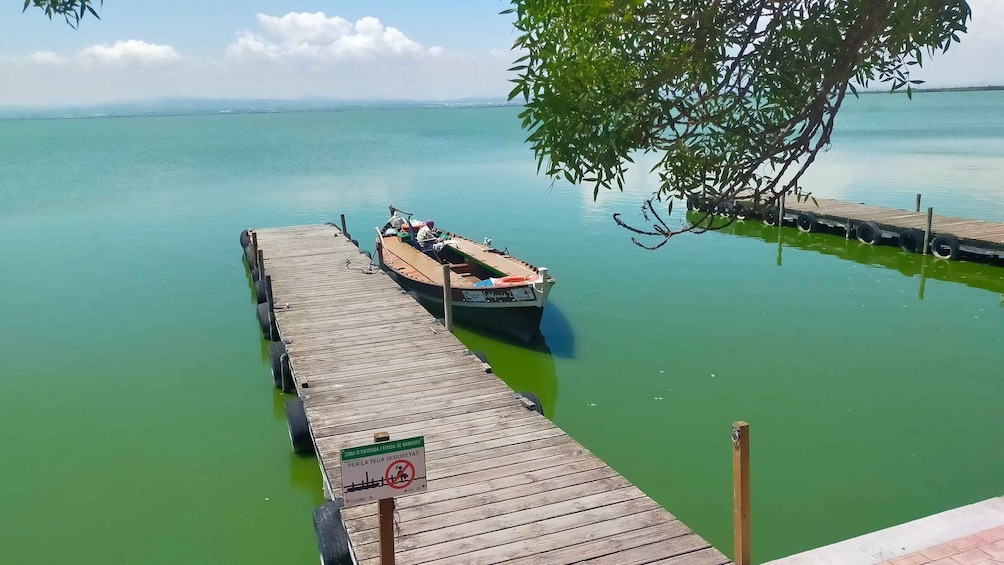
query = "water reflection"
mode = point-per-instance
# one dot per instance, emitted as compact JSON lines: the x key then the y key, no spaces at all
{"x":986,"y":275}
{"x":523,"y":366}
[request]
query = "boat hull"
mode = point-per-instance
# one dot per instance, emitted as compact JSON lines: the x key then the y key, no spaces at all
{"x":511,"y":311}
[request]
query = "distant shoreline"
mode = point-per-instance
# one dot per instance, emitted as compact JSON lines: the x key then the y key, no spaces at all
{"x":945,"y":89}
{"x":205,"y":107}
{"x":212,"y":106}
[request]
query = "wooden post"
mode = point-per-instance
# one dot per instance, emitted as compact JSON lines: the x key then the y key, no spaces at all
{"x":927,"y":231}
{"x":780,"y":211}
{"x":741,"y":492}
{"x":268,"y":290}
{"x":379,"y":246}
{"x":260,"y":263}
{"x":447,"y":299}
{"x":917,"y":209}
{"x":254,"y":244}
{"x":386,"y":516}
{"x":345,"y":230}
{"x":847,"y":229}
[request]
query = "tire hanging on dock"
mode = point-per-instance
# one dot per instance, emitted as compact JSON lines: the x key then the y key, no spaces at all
{"x":533,"y":399}
{"x":770,"y":217}
{"x":806,"y":222}
{"x":256,"y":274}
{"x":286,"y":382}
{"x":249,"y":256}
{"x":299,"y":429}
{"x":276,"y":352}
{"x":245,"y":239}
{"x":739,"y":209}
{"x":945,"y":246}
{"x":261,"y":291}
{"x":332,"y":538}
{"x":911,"y":240}
{"x":266,"y":322}
{"x":691,"y":203}
{"x":869,"y":233}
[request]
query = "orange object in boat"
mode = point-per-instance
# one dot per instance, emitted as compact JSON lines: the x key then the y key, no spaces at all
{"x":517,"y":280}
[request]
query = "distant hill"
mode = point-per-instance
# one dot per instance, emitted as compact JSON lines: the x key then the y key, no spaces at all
{"x":182,"y":106}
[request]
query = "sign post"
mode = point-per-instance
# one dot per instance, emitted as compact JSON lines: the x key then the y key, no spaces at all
{"x":379,"y":473}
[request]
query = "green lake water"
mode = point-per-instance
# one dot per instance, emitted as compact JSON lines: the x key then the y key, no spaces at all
{"x":139,"y":423}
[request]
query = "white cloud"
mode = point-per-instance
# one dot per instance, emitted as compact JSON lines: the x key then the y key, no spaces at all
{"x":128,"y":53}
{"x":319,"y":38}
{"x":46,"y":58}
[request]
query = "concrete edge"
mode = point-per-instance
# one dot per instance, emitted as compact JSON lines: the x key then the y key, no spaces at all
{"x":890,"y":543}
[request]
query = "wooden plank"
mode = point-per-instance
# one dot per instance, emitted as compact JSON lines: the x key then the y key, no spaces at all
{"x":524,"y":541}
{"x":611,"y":546}
{"x":677,"y":546}
{"x":527,"y":524}
{"x":709,"y":556}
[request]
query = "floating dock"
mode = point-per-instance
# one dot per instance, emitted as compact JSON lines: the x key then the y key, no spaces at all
{"x":970,"y":236}
{"x":505,"y":485}
{"x":945,"y":237}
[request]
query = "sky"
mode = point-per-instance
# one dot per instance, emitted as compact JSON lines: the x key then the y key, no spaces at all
{"x":374,"y":50}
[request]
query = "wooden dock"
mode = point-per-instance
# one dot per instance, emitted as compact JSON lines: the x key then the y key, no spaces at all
{"x":945,"y":237}
{"x":973,"y":236}
{"x":505,"y":485}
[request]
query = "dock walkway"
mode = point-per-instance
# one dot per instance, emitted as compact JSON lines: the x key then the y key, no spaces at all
{"x":974,"y":236}
{"x":505,"y":485}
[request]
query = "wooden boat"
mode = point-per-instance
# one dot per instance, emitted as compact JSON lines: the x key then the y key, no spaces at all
{"x":489,"y":288}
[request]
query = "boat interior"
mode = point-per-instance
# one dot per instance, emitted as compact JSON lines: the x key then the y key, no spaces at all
{"x":470,"y":263}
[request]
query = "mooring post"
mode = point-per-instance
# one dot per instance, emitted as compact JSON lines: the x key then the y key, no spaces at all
{"x":741,"y":492}
{"x":447,"y":299}
{"x":927,"y":230}
{"x":386,"y":516}
{"x":917,"y":209}
{"x":345,"y":230}
{"x":379,"y":246}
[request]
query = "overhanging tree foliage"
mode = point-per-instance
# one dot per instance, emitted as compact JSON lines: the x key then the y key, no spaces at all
{"x":737,"y":97}
{"x":72,"y":10}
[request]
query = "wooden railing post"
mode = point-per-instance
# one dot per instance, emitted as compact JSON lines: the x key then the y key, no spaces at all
{"x":741,"y":492}
{"x":386,"y":519}
{"x":927,"y":231}
{"x":447,"y":299}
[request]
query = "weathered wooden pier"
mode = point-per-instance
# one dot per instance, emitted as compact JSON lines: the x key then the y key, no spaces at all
{"x":505,"y":485}
{"x":946,"y":237}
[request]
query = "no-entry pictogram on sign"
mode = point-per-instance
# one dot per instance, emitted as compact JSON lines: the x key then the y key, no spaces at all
{"x":383,"y":470}
{"x":400,"y":474}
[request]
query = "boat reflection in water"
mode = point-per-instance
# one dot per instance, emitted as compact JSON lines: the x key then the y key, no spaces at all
{"x":525,"y":367}
{"x":986,"y":275}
